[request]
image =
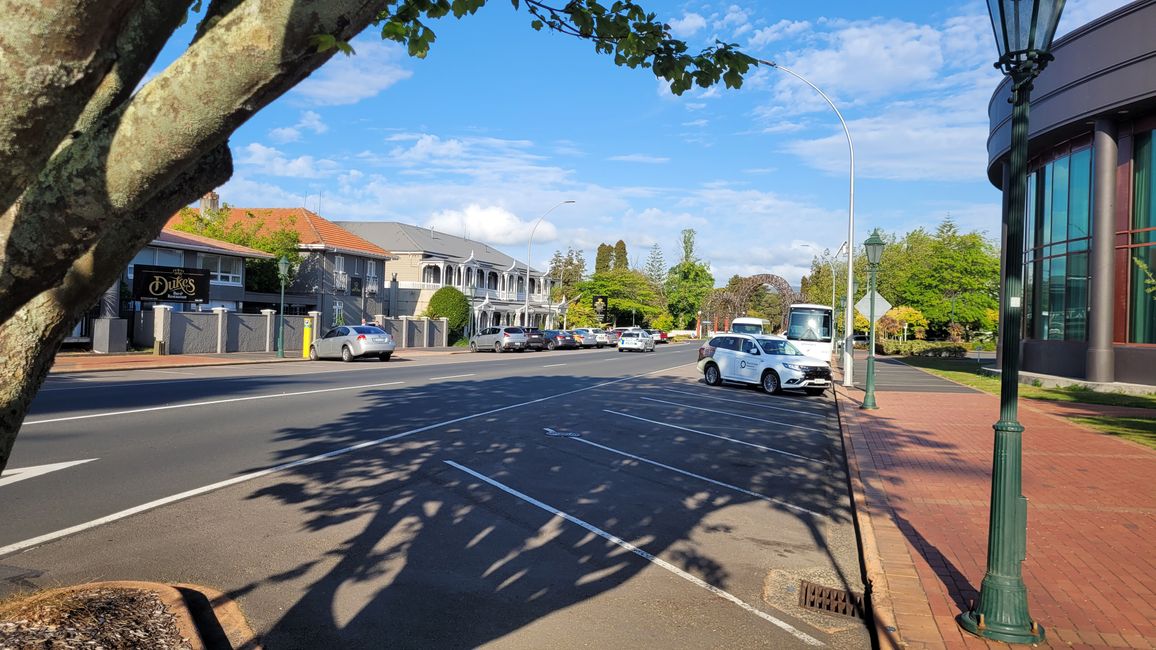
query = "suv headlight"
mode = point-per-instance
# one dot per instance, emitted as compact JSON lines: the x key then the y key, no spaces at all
{"x":794,"y":366}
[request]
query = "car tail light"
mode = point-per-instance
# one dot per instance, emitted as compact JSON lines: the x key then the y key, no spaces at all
{"x":705,"y":351}
{"x":505,"y":335}
{"x":361,"y":337}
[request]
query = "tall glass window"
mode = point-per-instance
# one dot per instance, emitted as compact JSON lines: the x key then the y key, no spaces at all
{"x":1056,"y":242}
{"x":1142,"y":253}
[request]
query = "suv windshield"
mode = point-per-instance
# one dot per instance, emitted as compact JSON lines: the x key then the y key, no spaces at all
{"x":779,"y":346}
{"x":747,"y":328}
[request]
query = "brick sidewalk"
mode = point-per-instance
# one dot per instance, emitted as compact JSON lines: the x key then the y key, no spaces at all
{"x":921,"y":468}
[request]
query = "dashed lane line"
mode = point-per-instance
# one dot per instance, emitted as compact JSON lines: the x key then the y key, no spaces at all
{"x":715,"y":435}
{"x":739,"y":401}
{"x":736,"y":415}
{"x":649,"y":557}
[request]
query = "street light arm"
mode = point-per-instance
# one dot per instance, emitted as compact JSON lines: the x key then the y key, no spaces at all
{"x":529,"y":244}
{"x":848,"y":317}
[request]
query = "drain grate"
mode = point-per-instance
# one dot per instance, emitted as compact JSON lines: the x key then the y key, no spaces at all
{"x":831,"y":601}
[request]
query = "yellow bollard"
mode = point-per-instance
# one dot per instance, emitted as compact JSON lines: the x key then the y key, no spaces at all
{"x":307,"y":338}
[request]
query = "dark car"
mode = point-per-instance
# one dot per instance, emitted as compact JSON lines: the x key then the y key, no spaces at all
{"x":560,"y":340}
{"x":535,"y":339}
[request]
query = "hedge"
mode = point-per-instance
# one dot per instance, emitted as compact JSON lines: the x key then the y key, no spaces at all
{"x":918,"y":348}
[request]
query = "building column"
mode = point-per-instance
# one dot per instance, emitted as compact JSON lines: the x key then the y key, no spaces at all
{"x":1101,"y":364}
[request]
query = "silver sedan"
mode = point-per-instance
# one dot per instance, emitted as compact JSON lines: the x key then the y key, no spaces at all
{"x":349,"y":342}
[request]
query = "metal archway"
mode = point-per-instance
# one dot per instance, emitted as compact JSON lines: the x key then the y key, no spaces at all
{"x":723,"y":306}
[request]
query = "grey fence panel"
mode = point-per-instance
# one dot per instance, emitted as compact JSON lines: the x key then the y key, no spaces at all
{"x":246,"y":332}
{"x":193,"y":333}
{"x":142,"y":329}
{"x":294,"y":333}
{"x":416,"y":336}
{"x":393,"y":326}
{"x":437,"y":329}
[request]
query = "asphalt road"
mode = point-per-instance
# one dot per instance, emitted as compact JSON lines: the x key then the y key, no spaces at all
{"x":573,"y":499}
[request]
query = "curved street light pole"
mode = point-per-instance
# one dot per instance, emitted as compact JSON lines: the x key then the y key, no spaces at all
{"x":526,"y":304}
{"x":848,"y":315}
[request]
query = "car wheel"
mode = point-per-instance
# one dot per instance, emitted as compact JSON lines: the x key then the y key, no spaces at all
{"x":313,"y":353}
{"x":521,"y":349}
{"x":473,"y":346}
{"x":711,"y":375}
{"x":386,"y":356}
{"x":599,"y":346}
{"x":346,"y":354}
{"x":498,"y":348}
{"x":551,"y":345}
{"x":814,"y":391}
{"x":771,"y":382}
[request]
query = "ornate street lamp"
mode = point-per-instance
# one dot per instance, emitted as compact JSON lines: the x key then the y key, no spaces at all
{"x":1023,"y":33}
{"x":283,"y":272}
{"x":874,"y":246}
{"x":526,"y":304}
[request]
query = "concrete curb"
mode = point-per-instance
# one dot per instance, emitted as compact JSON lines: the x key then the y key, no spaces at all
{"x":221,"y":624}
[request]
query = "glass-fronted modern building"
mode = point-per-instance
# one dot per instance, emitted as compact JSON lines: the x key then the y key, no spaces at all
{"x":1090,"y":228}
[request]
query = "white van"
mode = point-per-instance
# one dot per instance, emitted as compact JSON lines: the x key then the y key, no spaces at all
{"x":748,"y":325}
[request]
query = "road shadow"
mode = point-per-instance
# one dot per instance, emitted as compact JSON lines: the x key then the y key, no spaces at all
{"x":432,"y":556}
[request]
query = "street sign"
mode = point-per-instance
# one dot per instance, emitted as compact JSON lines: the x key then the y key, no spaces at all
{"x":881,"y":305}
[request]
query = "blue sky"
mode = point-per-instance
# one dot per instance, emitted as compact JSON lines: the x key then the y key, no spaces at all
{"x":500,"y":123}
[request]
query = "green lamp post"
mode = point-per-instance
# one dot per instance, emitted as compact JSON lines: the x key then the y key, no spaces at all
{"x":283,"y":273}
{"x":1023,"y":32}
{"x":874,"y":246}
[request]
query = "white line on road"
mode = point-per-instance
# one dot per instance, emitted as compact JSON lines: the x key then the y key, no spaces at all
{"x":797,"y":633}
{"x":10,"y":476}
{"x":738,"y":401}
{"x":553,"y":365}
{"x":701,"y":478}
{"x":210,"y":403}
{"x":714,"y":435}
{"x":735,"y":415}
{"x":471,"y":374}
{"x":48,"y":537}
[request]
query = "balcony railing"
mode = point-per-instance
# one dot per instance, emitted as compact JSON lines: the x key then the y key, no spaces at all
{"x":340,"y":281}
{"x":372,"y":285}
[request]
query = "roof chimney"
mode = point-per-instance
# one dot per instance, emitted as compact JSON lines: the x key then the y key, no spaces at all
{"x":210,"y":201}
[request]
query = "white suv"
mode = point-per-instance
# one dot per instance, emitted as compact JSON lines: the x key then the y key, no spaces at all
{"x":768,"y":361}
{"x":635,"y":340}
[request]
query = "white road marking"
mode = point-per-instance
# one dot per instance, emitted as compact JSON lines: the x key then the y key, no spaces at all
{"x":715,"y":435}
{"x":209,"y":403}
{"x":797,"y":633}
{"x":471,"y":374}
{"x":701,"y":478}
{"x":735,"y":415}
{"x":738,"y":401}
{"x":553,"y":365}
{"x":11,"y":476}
{"x":48,"y":537}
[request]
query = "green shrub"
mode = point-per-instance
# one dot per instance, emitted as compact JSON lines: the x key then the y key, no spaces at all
{"x":451,"y":304}
{"x":917,"y":348}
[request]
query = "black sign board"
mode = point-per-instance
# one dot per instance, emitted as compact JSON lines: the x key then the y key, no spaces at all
{"x":355,"y":286}
{"x":600,"y":304}
{"x":169,"y":284}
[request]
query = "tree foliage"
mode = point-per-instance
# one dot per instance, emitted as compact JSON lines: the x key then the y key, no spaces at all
{"x":688,"y":284}
{"x":603,"y":258}
{"x":656,"y":269}
{"x":620,"y":261}
{"x":94,"y":157}
{"x":260,"y":275}
{"x":567,"y":270}
{"x":629,"y":295}
{"x":451,"y":304}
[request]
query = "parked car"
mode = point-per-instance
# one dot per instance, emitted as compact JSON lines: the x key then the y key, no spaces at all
{"x":768,"y":361}
{"x":535,"y":339}
{"x":499,"y":339}
{"x":635,"y":340}
{"x":616,"y":333}
{"x":860,"y":340}
{"x":349,"y":342}
{"x":591,"y":337}
{"x":659,"y":336}
{"x":559,"y":340}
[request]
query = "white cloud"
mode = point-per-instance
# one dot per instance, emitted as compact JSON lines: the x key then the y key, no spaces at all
{"x":641,"y":158}
{"x":688,"y":25}
{"x":348,"y":80}
{"x":780,"y":30}
{"x":272,"y":162}
{"x":310,"y":121}
{"x":491,"y":224}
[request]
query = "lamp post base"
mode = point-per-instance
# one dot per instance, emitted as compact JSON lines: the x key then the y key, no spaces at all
{"x":974,"y":622}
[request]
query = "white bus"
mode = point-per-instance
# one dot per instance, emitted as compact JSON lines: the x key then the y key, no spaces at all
{"x":808,"y":327}
{"x":749,"y":325}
